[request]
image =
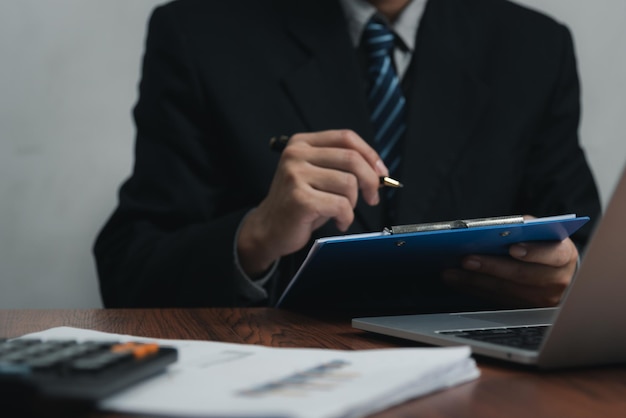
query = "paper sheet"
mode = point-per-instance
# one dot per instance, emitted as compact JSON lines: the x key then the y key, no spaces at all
{"x":240,"y":380}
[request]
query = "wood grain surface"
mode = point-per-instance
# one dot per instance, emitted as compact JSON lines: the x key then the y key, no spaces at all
{"x":503,"y":390}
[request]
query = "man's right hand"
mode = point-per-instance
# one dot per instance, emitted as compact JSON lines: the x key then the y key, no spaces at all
{"x":318,"y":178}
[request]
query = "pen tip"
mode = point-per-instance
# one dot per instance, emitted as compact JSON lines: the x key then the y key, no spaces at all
{"x":388,"y":181}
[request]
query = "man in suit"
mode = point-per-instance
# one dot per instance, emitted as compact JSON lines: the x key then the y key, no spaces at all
{"x":211,"y":217}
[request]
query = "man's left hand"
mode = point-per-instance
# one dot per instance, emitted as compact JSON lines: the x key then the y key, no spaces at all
{"x":535,"y":274}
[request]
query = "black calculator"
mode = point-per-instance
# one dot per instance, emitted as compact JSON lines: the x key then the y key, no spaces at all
{"x":77,"y":370}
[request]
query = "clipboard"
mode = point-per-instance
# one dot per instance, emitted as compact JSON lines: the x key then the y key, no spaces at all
{"x":398,"y":269}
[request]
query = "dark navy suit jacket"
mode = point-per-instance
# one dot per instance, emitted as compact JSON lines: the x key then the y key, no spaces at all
{"x":493,"y":114}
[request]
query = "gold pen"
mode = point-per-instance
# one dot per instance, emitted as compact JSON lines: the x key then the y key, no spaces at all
{"x":278,"y":143}
{"x":389,"y":182}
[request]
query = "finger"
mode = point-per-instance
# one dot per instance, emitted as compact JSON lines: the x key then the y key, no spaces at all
{"x":341,"y":183}
{"x":553,"y":254}
{"x":347,"y":139}
{"x":313,"y":195}
{"x":313,"y":173}
{"x":516,"y":271}
{"x":502,"y":292}
{"x":346,"y":160}
{"x":323,"y":205}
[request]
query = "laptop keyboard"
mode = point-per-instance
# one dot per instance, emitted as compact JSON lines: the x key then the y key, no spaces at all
{"x":528,"y":338}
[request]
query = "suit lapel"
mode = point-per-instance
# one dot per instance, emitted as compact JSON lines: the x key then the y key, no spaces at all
{"x":446,"y":100}
{"x":327,"y":88}
{"x":446,"y":95}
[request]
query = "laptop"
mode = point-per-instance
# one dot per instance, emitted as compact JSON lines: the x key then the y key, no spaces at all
{"x":587,"y":328}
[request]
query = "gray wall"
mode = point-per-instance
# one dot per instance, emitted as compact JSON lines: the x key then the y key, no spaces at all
{"x":68,"y":80}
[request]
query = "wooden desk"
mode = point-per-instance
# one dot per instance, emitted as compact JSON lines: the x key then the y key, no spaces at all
{"x":502,"y":390}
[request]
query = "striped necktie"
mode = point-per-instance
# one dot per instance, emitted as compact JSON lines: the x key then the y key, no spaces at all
{"x":385,"y":99}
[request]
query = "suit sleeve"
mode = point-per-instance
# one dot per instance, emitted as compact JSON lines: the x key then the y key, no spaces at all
{"x":558,"y":176}
{"x":170,"y":241}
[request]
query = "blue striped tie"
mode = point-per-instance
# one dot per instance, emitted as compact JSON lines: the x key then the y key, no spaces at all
{"x":386,"y":102}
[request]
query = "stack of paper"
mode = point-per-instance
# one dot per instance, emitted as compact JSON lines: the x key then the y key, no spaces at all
{"x":239,"y":380}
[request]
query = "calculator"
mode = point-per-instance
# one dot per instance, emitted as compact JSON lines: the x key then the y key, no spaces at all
{"x":78,"y":370}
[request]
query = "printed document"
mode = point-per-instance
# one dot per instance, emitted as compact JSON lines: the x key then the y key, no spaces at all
{"x":242,"y":380}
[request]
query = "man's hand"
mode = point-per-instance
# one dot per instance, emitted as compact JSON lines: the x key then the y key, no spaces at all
{"x":536,"y":274}
{"x":318,"y":178}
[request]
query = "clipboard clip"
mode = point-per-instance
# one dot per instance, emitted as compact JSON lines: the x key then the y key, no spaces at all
{"x":456,"y":224}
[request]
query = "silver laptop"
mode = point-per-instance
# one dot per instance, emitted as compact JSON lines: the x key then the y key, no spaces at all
{"x":588,"y":327}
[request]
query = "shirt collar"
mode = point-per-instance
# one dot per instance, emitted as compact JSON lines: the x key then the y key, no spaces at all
{"x":359,"y":12}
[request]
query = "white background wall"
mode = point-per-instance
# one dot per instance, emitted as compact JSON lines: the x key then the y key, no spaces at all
{"x":68,"y":80}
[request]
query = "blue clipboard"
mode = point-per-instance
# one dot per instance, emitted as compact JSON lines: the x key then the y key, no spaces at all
{"x":399,"y":271}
